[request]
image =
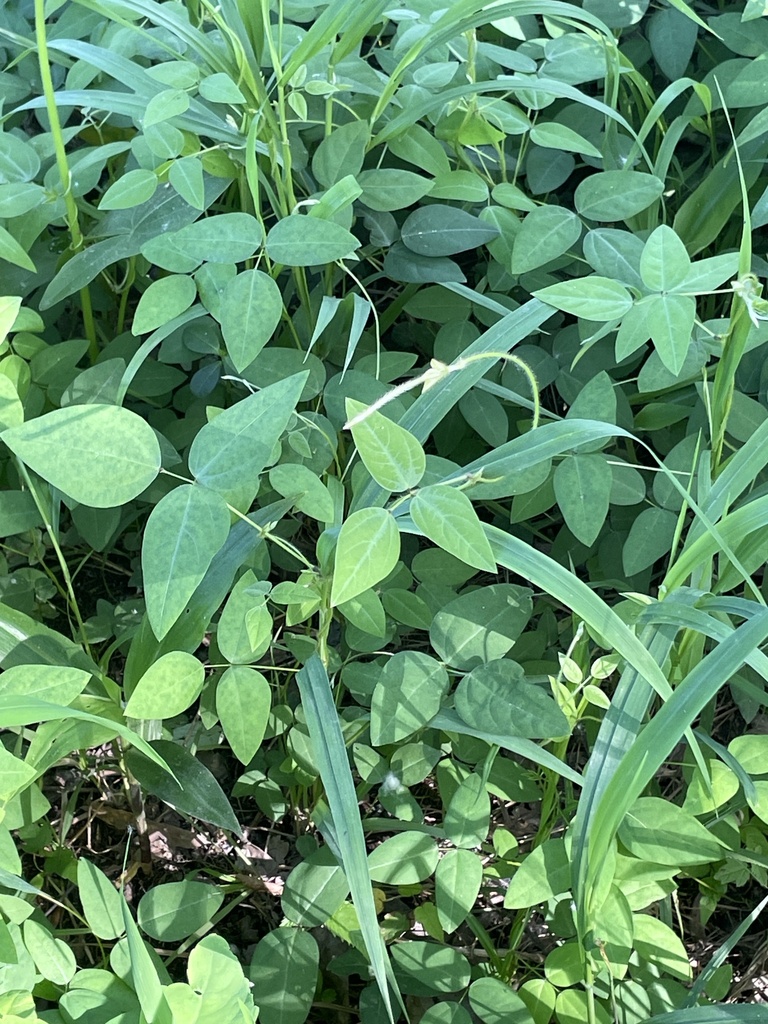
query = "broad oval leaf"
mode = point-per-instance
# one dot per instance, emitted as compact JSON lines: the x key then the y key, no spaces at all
{"x":251,"y":307}
{"x":300,"y":241}
{"x":185,"y":530}
{"x":447,"y":517}
{"x":367,"y":551}
{"x":497,"y":698}
{"x":546,"y":233}
{"x":616,"y":195}
{"x":481,"y":625}
{"x":387,"y":188}
{"x":243,"y":702}
{"x":99,"y":455}
{"x":162,"y":301}
{"x":227,"y":238}
{"x":175,"y":910}
{"x":390,"y":453}
{"x":592,"y":298}
{"x":438,"y":230}
{"x":403,"y":859}
{"x":168,"y":687}
{"x":458,"y":878}
{"x":407,"y":695}
{"x":665,"y":262}
{"x":284,"y":975}
{"x":583,"y":491}
{"x":229,"y":452}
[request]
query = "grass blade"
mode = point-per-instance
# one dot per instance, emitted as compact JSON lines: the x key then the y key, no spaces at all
{"x":333,"y":766}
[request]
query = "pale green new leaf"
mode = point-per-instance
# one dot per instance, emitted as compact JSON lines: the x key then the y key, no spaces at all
{"x":185,"y":530}
{"x":367,"y":550}
{"x":100,"y":455}
{"x":390,"y":453}
{"x":447,"y":517}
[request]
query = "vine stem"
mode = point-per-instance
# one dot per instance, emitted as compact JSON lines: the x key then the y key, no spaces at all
{"x":72,"y":218}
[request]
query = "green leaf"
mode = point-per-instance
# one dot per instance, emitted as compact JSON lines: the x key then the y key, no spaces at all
{"x":165,"y":105}
{"x":658,"y":831}
{"x":387,"y":188}
{"x":284,"y":975}
{"x":497,"y":698}
{"x":481,"y":626}
{"x":168,"y":687}
{"x":458,"y":878}
{"x":100,"y":901}
{"x":57,"y":684}
{"x":100,"y":455}
{"x":230,"y":452}
{"x":19,"y":160}
{"x":434,"y":967}
{"x":340,"y":153}
{"x":162,"y":301}
{"x":11,"y":251}
{"x":447,"y":517}
{"x":243,"y":702}
{"x":251,"y":308}
{"x":546,"y":233}
{"x":419,"y":147}
{"x":315,"y":889}
{"x":220,"y":88}
{"x":407,"y":695}
{"x":467,"y":817}
{"x":583,"y":491}
{"x":131,"y":189}
{"x":650,"y":538}
{"x":214,"y":971}
{"x":175,"y":910}
{"x":300,"y":241}
{"x":659,"y":945}
{"x":53,"y":958}
{"x":557,"y":136}
{"x":390,"y":453}
{"x":308,"y":493}
{"x":593,"y":297}
{"x":184,"y":531}
{"x":225,"y":238}
{"x":545,"y":873}
{"x":496,"y":1003}
{"x":244,"y":631}
{"x":616,"y":195}
{"x":438,"y":230}
{"x":196,"y":793}
{"x":665,"y":262}
{"x":670,"y":320}
{"x":367,"y":550}
{"x":186,"y":176}
{"x":403,"y":859}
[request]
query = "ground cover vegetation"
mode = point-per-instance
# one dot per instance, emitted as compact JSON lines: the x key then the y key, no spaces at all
{"x":383,"y":440}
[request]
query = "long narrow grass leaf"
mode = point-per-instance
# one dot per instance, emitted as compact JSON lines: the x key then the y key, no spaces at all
{"x":333,"y":767}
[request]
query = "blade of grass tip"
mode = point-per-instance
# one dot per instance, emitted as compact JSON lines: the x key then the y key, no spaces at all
{"x":664,"y":731}
{"x":146,"y":982}
{"x":740,"y":325}
{"x":333,"y":766}
{"x":736,"y":475}
{"x":618,"y":731}
{"x":738,"y":1013}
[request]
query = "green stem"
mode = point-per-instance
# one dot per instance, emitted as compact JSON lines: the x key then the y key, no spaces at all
{"x":73,"y":222}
